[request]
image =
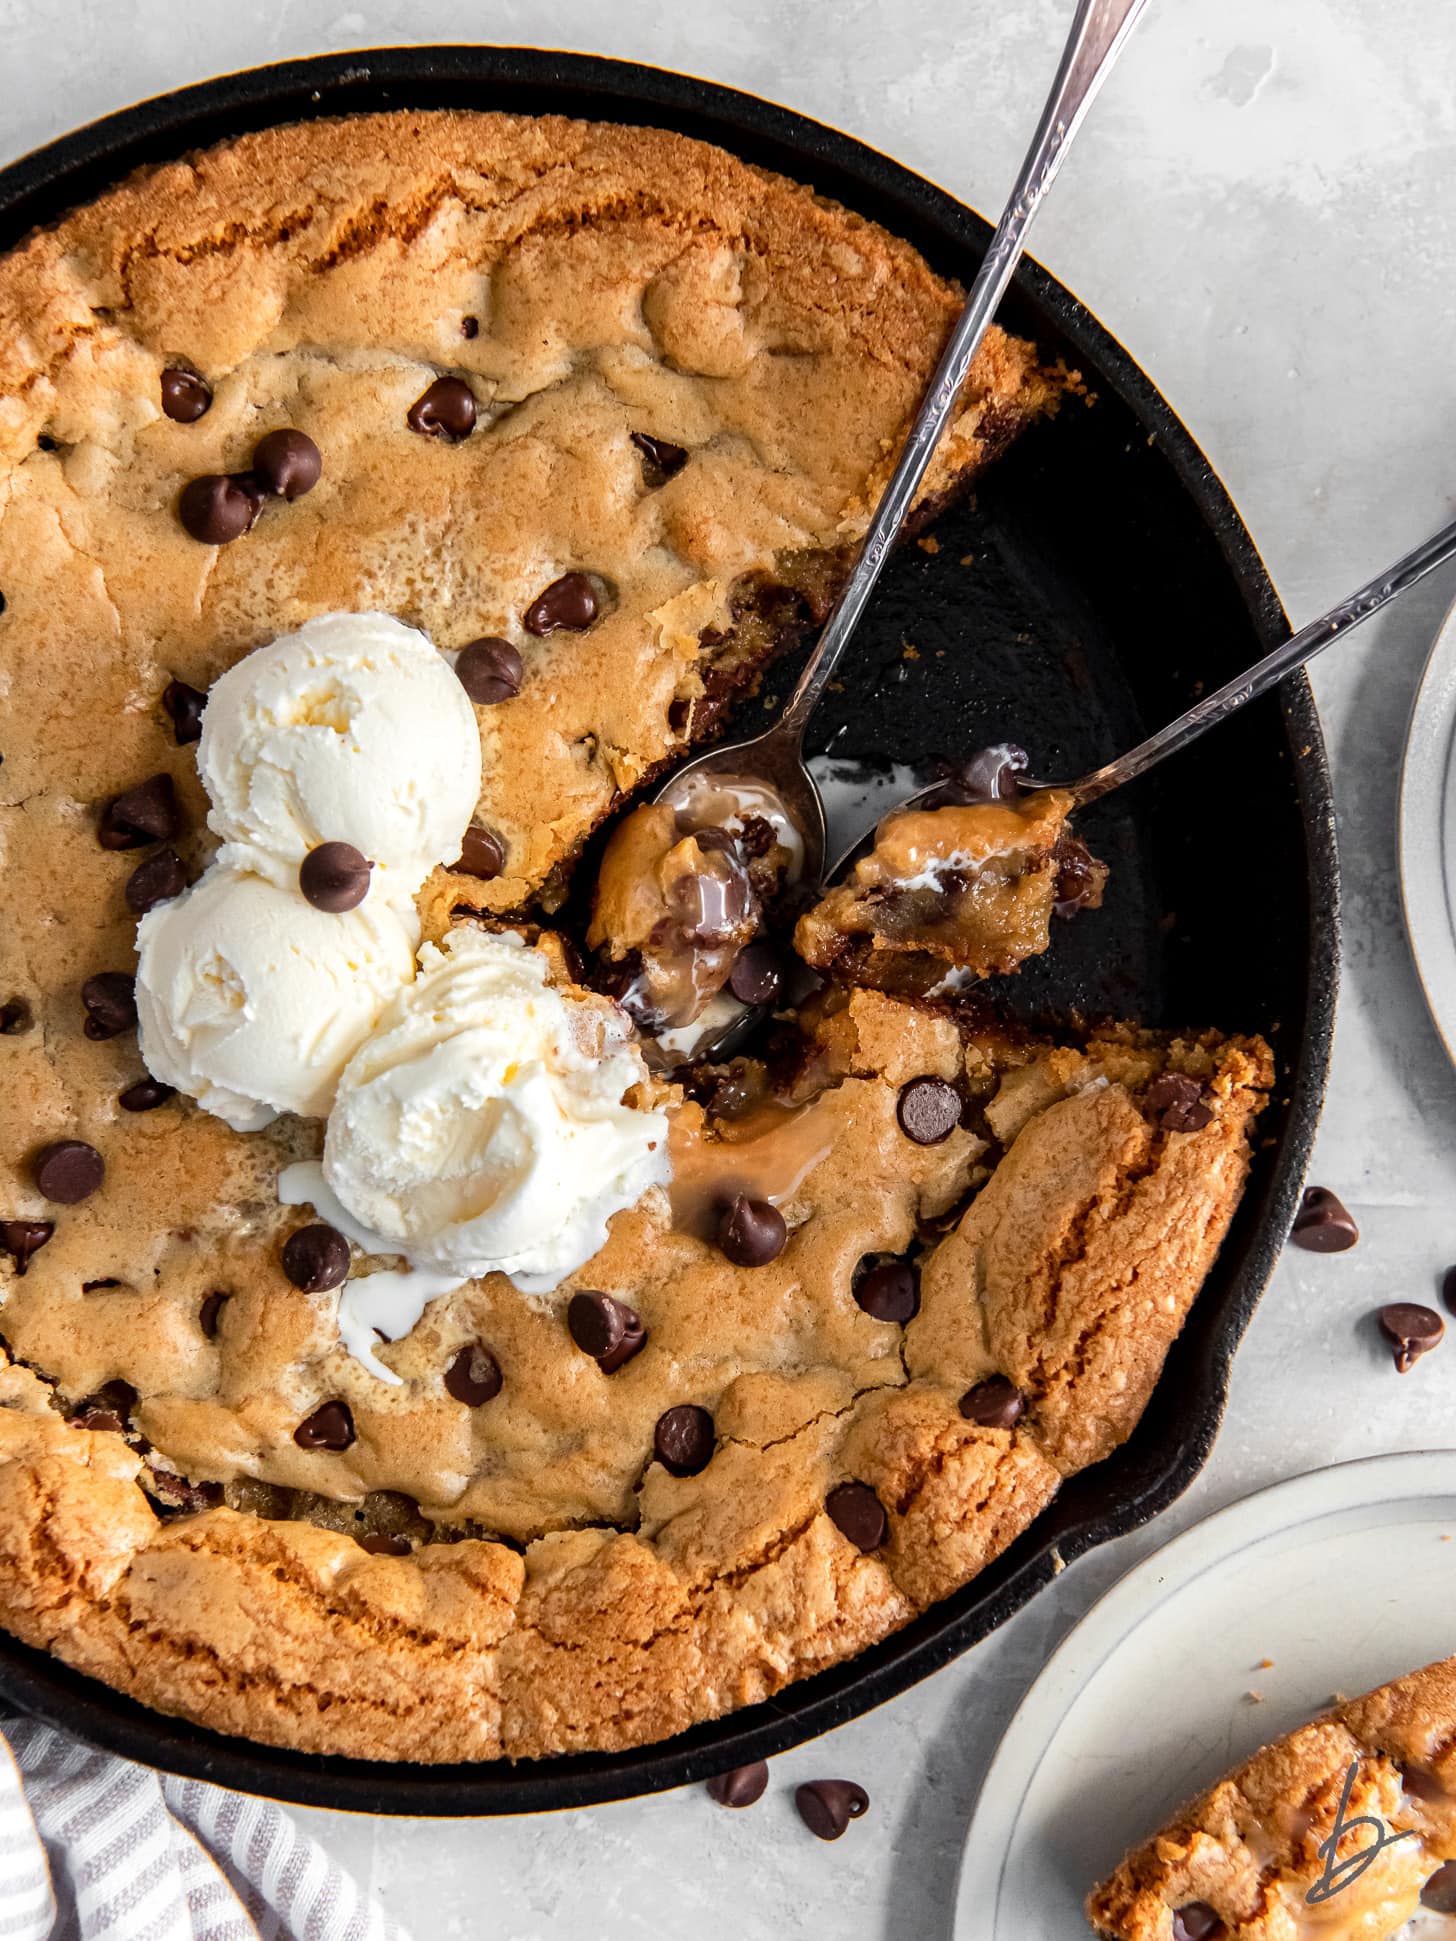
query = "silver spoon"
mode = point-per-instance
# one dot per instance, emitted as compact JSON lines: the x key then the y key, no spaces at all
{"x":1214,"y":708}
{"x":1098,"y":33}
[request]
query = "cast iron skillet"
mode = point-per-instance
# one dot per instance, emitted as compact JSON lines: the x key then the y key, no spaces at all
{"x":1109,"y":577}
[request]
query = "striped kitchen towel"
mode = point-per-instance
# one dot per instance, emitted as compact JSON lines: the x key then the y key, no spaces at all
{"x":93,"y":1848}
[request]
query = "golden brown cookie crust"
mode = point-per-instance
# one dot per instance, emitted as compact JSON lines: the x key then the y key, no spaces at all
{"x":1249,"y":1848}
{"x":622,"y":280}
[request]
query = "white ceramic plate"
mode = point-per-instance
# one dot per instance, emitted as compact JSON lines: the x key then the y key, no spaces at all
{"x":1345,"y":1579}
{"x":1428,"y":831}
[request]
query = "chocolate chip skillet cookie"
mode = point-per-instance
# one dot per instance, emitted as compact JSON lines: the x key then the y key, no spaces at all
{"x":395,"y":1363}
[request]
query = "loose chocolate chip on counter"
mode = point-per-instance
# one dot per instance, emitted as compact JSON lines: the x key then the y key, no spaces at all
{"x":186,"y":397}
{"x":890,"y":1291}
{"x":683,"y":1439}
{"x":490,"y":670}
{"x":1413,"y":1330}
{"x":23,"y":1239}
{"x":568,"y":604}
{"x":334,"y":877}
{"x":15,"y":1016}
{"x":331,"y":1426}
{"x":482,"y":854}
{"x":209,"y":1315}
{"x":858,"y":1514}
{"x":146,"y":1095}
{"x":287,"y":463}
{"x":1439,"y":1892}
{"x":757,"y":975}
{"x":474,"y":1376}
{"x":1197,"y":1921}
{"x":994,"y":1403}
{"x":316,"y":1258}
{"x":380,"y":1543}
{"x":826,"y":1806}
{"x":660,"y":460}
{"x":220,"y":507}
{"x":157,"y":880}
{"x":751,"y":1232}
{"x":929,"y":1110}
{"x":1175,"y":1102}
{"x":110,"y":1001}
{"x":1323,"y":1224}
{"x":742,"y":1786}
{"x":184,"y":704}
{"x":605,"y":1328}
{"x":67,"y":1171}
{"x":446,"y":410}
{"x":146,"y":813}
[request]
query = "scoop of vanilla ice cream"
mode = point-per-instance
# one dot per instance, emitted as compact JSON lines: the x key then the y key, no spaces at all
{"x":251,"y":1001}
{"x":354,"y":729}
{"x":482,"y":1125}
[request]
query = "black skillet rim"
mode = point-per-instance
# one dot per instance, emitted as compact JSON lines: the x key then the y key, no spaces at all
{"x":38,"y":187}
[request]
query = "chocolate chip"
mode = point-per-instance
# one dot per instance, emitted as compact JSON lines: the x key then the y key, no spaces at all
{"x":890,"y":1291}
{"x":490,"y":670}
{"x":1439,"y":1892}
{"x":446,"y":410}
{"x":15,"y":1016}
{"x":331,"y":1426}
{"x":683,"y":1439}
{"x":380,"y":1543}
{"x":569,"y":603}
{"x":220,"y":507}
{"x":858,"y":1514}
{"x":474,"y":1376}
{"x":482,"y":854}
{"x":757,"y":975}
{"x":1414,"y":1331}
{"x":741,"y":1786}
{"x":994,"y":1403}
{"x":1078,"y":877}
{"x":67,"y":1171}
{"x":1197,"y":1922}
{"x":209,"y":1315}
{"x":605,"y":1328}
{"x":1323,"y":1225}
{"x":1175,"y":1102}
{"x":287,"y":463}
{"x":22,"y":1239}
{"x":316,"y":1258}
{"x":110,"y":1001}
{"x":660,"y":460}
{"x":470,"y":326}
{"x":334,"y":877}
{"x":826,"y":1806}
{"x":146,"y":813}
{"x":107,"y":1410}
{"x":146,"y":1095}
{"x":929,"y":1110}
{"x":751,"y":1232}
{"x":175,"y":1493}
{"x":157,"y":880}
{"x":186,"y":397}
{"x":989,"y":775}
{"x":185,"y":705}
